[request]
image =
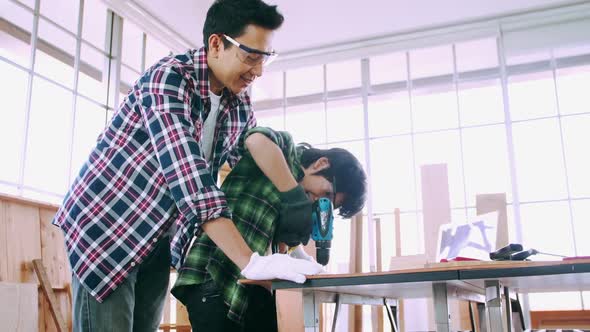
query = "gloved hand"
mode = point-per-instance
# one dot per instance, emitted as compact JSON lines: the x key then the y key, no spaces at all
{"x":279,"y":266}
{"x":294,"y":226}
{"x":300,"y":253}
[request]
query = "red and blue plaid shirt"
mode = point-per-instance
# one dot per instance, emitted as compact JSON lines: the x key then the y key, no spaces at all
{"x":147,"y":172}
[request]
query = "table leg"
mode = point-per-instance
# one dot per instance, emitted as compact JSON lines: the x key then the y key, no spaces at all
{"x":494,"y":306}
{"x":336,"y":312}
{"x":508,"y":310}
{"x":442,"y":317}
{"x":311,"y":312}
{"x":483,"y":319}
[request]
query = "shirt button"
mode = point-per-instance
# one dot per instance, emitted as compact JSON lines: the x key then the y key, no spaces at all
{"x":132,"y":264}
{"x":204,"y":299}
{"x":155,"y":240}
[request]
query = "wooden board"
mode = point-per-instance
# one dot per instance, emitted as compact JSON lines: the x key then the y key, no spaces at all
{"x":54,"y":306}
{"x":21,"y":226}
{"x":18,"y":307}
{"x":53,"y":251}
{"x":495,"y":202}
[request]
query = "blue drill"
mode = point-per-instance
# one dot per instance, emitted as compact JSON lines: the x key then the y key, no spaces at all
{"x":322,"y":225}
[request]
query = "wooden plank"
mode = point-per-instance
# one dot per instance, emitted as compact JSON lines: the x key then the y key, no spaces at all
{"x":436,"y":205}
{"x":46,"y":321}
{"x":18,"y":307}
{"x":53,"y":251}
{"x":3,"y":243}
{"x":377,"y":311}
{"x":22,"y":231}
{"x":485,"y":203}
{"x":54,"y":305}
{"x":355,"y":313}
{"x":561,"y":319}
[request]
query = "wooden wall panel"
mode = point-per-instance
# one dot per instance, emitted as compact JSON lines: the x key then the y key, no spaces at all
{"x":495,"y":202}
{"x":23,"y":236}
{"x":53,"y":251}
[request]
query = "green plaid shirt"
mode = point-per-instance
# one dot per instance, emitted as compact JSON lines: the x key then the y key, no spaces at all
{"x":254,"y":202}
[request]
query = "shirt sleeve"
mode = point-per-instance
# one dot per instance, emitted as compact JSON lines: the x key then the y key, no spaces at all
{"x":237,"y":152}
{"x":166,"y":110}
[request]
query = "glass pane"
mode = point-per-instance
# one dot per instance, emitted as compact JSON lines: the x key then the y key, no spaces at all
{"x":555,"y":301}
{"x":94,"y":27}
{"x":441,"y":148}
{"x":357,"y":148}
{"x":432,"y":61}
{"x":393,"y":182}
{"x":575,"y":131}
{"x":15,"y":40}
{"x":476,"y":54}
{"x":435,"y":108}
{"x":271,"y":118}
{"x":49,"y":137}
{"x":532,"y":96}
{"x":539,"y":163}
{"x":132,"y":45}
{"x":481,"y":103}
{"x":345,"y":120}
{"x":581,"y":214}
{"x":486,"y":162}
{"x":154,"y":51}
{"x":573,"y":90}
{"x":343,"y":75}
{"x":14,"y":84}
{"x":389,"y":114}
{"x":523,"y":57}
{"x":268,"y":86}
{"x":90,"y":122}
{"x":92,"y":78}
{"x":547,"y":228}
{"x":389,"y":68}
{"x":62,"y":12}
{"x":128,"y":78}
{"x":340,"y":251}
{"x":305,"y":81}
{"x":307,"y":123}
{"x":55,"y":54}
{"x":387,"y":224}
{"x":411,"y":229}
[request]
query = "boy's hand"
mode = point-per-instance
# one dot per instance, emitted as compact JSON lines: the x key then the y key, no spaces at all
{"x":294,"y":226}
{"x":280,"y":266}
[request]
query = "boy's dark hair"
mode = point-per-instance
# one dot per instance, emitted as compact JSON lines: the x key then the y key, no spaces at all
{"x":231,"y":17}
{"x":347,"y":172}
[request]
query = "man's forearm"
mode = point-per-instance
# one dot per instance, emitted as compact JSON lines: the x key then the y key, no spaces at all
{"x":227,"y":237}
{"x":269,"y":158}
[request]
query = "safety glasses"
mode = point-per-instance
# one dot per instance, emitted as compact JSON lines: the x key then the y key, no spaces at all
{"x":252,"y":57}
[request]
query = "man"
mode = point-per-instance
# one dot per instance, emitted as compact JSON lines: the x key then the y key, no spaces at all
{"x":149,"y":185}
{"x":207,"y":282}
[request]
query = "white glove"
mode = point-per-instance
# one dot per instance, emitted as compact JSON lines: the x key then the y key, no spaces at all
{"x":300,"y":253}
{"x":279,"y":266}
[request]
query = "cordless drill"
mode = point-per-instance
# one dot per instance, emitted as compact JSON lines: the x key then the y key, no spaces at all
{"x":322,"y":225}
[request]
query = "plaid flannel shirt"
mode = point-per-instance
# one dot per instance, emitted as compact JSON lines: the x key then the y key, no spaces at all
{"x":147,"y":172}
{"x":255,"y":204}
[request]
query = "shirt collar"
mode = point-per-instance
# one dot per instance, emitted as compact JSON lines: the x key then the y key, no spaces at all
{"x":202,"y":70}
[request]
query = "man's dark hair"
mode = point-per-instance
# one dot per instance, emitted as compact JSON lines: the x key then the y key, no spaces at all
{"x":231,"y":17}
{"x":347,"y":172}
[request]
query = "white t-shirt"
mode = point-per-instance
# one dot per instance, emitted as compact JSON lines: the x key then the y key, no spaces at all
{"x":209,"y":125}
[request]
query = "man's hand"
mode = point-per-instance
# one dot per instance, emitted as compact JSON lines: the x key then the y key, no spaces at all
{"x":294,"y":226}
{"x":280,"y":266}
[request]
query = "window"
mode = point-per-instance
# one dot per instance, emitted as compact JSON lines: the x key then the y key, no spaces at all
{"x":13,"y":121}
{"x":305,"y":81}
{"x":15,"y":35}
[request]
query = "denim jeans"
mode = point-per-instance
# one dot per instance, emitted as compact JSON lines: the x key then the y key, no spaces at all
{"x":136,"y":305}
{"x":208,"y":312}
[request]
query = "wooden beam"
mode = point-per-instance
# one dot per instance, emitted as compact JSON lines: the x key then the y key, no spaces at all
{"x":48,"y":291}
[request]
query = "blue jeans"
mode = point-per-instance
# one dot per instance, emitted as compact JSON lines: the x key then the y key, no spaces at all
{"x":136,"y":305}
